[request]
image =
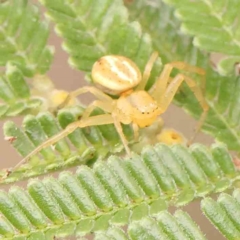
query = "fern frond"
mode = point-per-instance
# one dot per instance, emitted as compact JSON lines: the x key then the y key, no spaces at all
{"x":15,"y":94}
{"x":119,"y":192}
{"x":224,"y":213}
{"x":91,"y":29}
{"x":221,"y":92}
{"x":165,"y":226}
{"x":214,"y":26}
{"x":160,"y":226}
{"x":23,"y":37}
{"x":19,"y":97}
{"x":86,"y":144}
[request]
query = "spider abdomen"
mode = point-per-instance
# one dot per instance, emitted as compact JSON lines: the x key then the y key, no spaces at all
{"x":116,"y":74}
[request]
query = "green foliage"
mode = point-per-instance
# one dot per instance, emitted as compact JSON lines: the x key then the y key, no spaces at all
{"x":180,"y":225}
{"x":15,"y":93}
{"x":203,"y":178}
{"x":221,"y":92}
{"x":215,"y":27}
{"x":23,"y":37}
{"x":120,"y":192}
{"x":102,"y":196}
{"x":224,"y":213}
{"x":23,"y":52}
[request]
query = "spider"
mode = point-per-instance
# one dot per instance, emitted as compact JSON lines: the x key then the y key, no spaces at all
{"x":118,"y":75}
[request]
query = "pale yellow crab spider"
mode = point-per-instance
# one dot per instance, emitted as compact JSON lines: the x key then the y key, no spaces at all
{"x":120,"y":76}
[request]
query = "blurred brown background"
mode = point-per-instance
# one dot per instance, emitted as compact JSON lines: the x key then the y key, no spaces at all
{"x":68,"y":79}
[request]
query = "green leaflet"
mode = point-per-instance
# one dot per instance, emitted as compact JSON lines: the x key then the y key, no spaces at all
{"x":23,"y":37}
{"x":15,"y":93}
{"x":224,"y":213}
{"x":221,"y":92}
{"x":165,"y":226}
{"x":91,"y":29}
{"x":117,"y":192}
{"x":214,"y":26}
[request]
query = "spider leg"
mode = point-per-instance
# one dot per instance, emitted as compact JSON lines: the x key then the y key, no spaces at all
{"x":164,"y":79}
{"x":135,"y":131}
{"x":193,"y":69}
{"x":91,"y":121}
{"x":118,"y":127}
{"x":147,"y":71}
{"x":106,"y":106}
{"x":165,"y":100}
{"x":200,"y":97}
{"x":96,"y":92}
{"x":161,"y":84}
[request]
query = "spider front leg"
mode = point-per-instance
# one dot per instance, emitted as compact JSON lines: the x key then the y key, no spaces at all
{"x":199,"y":95}
{"x":189,"y":68}
{"x":91,"y":121}
{"x":147,"y":71}
{"x":96,"y":92}
{"x":164,"y":79}
{"x":164,"y":92}
{"x":106,"y":106}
